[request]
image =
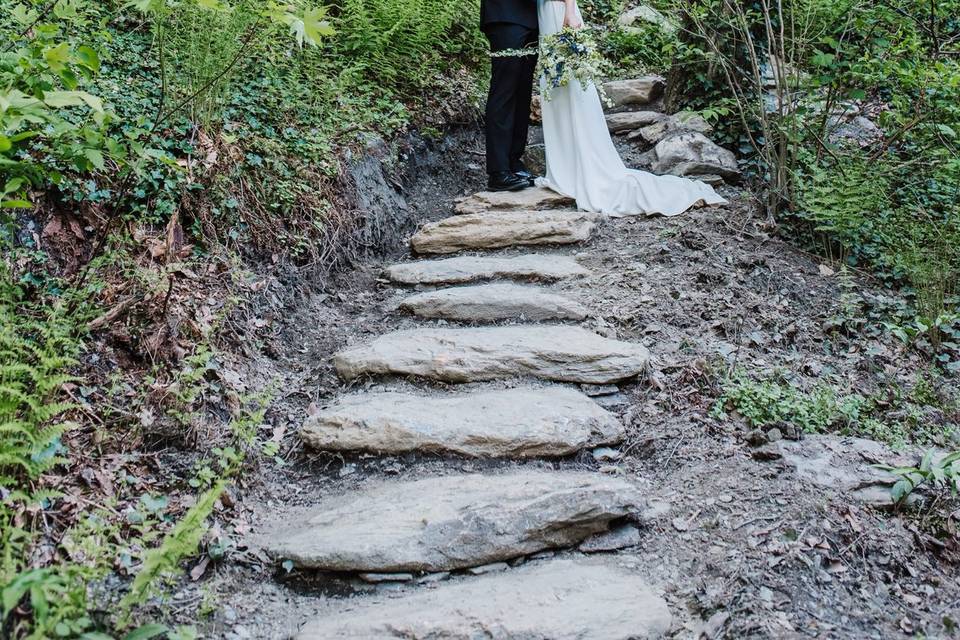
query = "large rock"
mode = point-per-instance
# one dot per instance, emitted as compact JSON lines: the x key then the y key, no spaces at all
{"x":569,"y":599}
{"x":464,"y":269}
{"x":692,"y":154}
{"x":513,"y":423}
{"x":646,"y":13}
{"x":563,"y":353}
{"x":497,"y":229}
{"x":635,"y":91}
{"x":454,"y":522}
{"x":845,"y":464}
{"x":630,"y":120}
{"x":489,"y":302}
{"x":533,"y":198}
{"x":535,"y":160}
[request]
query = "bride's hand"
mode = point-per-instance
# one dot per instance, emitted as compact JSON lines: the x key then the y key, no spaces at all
{"x":570,"y":16}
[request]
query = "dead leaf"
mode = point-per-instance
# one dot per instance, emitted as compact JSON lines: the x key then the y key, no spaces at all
{"x":199,"y":569}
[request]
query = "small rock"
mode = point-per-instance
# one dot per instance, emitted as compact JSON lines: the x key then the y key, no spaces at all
{"x":432,"y":578}
{"x":612,"y":401}
{"x":774,"y":434}
{"x":375,"y":578}
{"x":756,"y":438}
{"x":488,"y":568}
{"x":606,"y":454}
{"x":619,"y":538}
{"x":595,"y":390}
{"x":767,"y":452}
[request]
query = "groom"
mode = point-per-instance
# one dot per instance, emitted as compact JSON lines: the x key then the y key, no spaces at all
{"x":509,"y":24}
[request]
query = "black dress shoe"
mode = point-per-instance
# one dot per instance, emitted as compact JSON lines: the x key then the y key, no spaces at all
{"x":521,"y":171}
{"x":506,"y":181}
{"x":526,"y":175}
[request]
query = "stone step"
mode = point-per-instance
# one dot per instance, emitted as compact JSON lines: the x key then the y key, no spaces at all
{"x":562,"y":353}
{"x":513,"y":423}
{"x":630,"y":120}
{"x":490,"y":302}
{"x":453,"y":522}
{"x":465,"y":269}
{"x":533,"y":198}
{"x":498,"y":229}
{"x":565,"y":599}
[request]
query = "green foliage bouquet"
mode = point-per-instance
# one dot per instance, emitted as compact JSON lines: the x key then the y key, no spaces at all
{"x":571,"y":54}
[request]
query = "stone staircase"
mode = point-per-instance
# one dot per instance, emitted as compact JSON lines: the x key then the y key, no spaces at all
{"x":419,"y":531}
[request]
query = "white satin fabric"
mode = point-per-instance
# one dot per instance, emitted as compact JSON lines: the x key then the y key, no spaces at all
{"x":582,"y":162}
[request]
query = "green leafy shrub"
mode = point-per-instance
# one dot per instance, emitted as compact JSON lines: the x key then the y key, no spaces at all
{"x":896,"y":418}
{"x":940,"y":472}
{"x":644,"y":49}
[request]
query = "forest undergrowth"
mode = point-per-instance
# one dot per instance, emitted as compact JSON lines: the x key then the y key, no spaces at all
{"x":158,"y":158}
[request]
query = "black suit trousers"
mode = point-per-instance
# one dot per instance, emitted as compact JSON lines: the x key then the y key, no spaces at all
{"x":508,"y":103}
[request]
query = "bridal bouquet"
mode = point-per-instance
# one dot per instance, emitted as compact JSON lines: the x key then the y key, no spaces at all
{"x":570,"y":54}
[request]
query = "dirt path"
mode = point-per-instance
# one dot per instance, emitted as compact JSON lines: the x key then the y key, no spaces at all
{"x":712,"y":537}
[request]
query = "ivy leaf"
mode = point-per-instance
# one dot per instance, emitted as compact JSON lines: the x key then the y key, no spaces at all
{"x":154,"y":504}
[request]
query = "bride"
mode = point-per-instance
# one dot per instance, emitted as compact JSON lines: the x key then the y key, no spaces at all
{"x":582,"y":162}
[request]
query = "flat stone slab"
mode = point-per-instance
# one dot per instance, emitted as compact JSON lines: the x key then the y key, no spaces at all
{"x":845,"y":464}
{"x":498,"y":229}
{"x":512,"y":423}
{"x":569,"y":599}
{"x":532,"y":198}
{"x":630,"y":120}
{"x":454,"y":522}
{"x":465,"y":269}
{"x":489,"y":302}
{"x":562,"y":353}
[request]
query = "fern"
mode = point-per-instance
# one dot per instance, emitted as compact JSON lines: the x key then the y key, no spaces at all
{"x":180,"y":543}
{"x":37,"y":347}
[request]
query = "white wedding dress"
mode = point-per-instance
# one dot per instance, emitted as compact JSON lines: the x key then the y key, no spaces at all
{"x":582,"y":162}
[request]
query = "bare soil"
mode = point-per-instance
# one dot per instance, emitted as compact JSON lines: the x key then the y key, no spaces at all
{"x":747,"y":549}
